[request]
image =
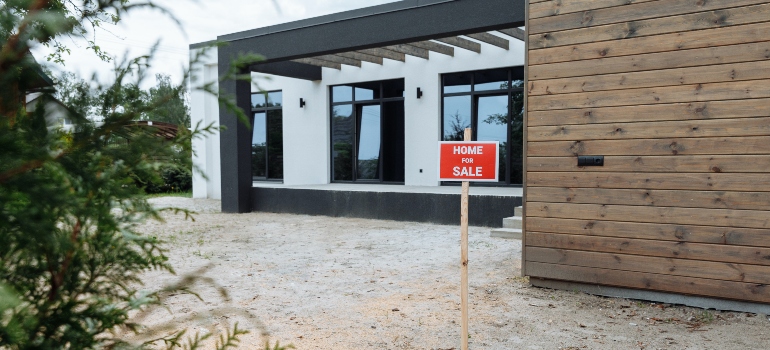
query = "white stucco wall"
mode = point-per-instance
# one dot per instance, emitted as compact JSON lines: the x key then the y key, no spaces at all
{"x":204,"y":109}
{"x":307,"y":130}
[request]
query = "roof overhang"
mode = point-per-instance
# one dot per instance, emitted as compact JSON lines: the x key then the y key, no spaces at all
{"x":391,"y":31}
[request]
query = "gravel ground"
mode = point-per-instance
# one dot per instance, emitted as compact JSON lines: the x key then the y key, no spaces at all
{"x":344,"y":283}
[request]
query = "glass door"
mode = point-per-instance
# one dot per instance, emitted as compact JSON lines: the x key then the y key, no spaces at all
{"x":492,"y":125}
{"x":369,"y":143}
{"x":367,"y":132}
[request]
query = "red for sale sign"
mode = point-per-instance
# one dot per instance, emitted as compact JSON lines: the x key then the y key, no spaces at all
{"x":468,"y":161}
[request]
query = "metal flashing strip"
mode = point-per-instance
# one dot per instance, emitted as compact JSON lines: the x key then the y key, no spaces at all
{"x":203,"y":44}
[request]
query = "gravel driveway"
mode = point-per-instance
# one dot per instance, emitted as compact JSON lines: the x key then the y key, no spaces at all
{"x":345,"y":283}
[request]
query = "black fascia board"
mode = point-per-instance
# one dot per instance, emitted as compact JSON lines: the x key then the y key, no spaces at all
{"x":377,"y":26}
{"x":288,"y":69}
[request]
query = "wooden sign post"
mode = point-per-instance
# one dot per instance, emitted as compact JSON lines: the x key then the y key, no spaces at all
{"x":467,"y":161}
{"x":464,"y":256}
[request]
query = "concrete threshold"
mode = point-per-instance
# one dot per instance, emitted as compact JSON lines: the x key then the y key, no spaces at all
{"x":659,"y":297}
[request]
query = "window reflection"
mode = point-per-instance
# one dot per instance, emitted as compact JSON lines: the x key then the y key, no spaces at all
{"x":367,"y":91}
{"x":491,"y":102}
{"x":369,"y":143}
{"x":517,"y":137}
{"x":457,"y":82}
{"x":267,"y":136}
{"x":492,"y":125}
{"x":258,"y":100}
{"x":259,"y":146}
{"x":496,"y":79}
{"x":368,"y":131}
{"x":274,"y":99}
{"x":457,"y":117}
{"x":342,"y":93}
{"x":343,"y":131}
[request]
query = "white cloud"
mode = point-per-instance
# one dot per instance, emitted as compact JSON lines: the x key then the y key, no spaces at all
{"x":201,"y":20}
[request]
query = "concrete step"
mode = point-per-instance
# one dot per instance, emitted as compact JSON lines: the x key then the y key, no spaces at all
{"x":512,"y":222}
{"x":517,"y":212}
{"x":507,"y":233}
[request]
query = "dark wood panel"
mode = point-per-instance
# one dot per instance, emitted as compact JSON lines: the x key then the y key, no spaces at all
{"x":629,"y":13}
{"x":671,"y":94}
{"x":675,"y":42}
{"x":664,"y":266}
{"x":674,"y":111}
{"x":665,"y":249}
{"x":652,"y":130}
{"x":652,"y":147}
{"x":675,"y":284}
{"x":660,"y":232}
{"x":668,"y":77}
{"x":544,"y":8}
{"x":647,"y":197}
{"x":648,"y":62}
{"x":656,"y":164}
{"x":658,"y":181}
{"x":663,"y":215}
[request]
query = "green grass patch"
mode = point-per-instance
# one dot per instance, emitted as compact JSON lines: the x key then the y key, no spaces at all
{"x":187,"y":194}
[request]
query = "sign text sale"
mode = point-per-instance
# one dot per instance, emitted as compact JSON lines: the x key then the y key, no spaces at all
{"x":468,"y":161}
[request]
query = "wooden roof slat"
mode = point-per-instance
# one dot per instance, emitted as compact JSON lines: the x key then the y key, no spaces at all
{"x":384,"y":53}
{"x":340,"y":59}
{"x":361,"y":57}
{"x":409,"y":50}
{"x":435,"y":47}
{"x":491,"y":40}
{"x":461,"y":43}
{"x":320,"y":63}
{"x":514,"y":32}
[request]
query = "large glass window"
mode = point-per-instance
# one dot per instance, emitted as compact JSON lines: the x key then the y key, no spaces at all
{"x":491,"y":103}
{"x":367,"y":121}
{"x":267,"y":136}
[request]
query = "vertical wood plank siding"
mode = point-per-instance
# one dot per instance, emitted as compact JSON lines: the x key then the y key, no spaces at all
{"x":676,"y":95}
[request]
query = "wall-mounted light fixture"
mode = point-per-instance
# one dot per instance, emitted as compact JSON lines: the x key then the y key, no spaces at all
{"x":301,"y":103}
{"x":419,"y":93}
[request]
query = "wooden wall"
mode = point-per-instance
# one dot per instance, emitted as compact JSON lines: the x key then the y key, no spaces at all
{"x":676,"y":95}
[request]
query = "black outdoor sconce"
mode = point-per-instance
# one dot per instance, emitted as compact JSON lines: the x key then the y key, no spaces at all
{"x":301,"y":103}
{"x":419,"y":93}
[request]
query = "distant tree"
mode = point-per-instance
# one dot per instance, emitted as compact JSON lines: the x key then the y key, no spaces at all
{"x":74,"y":92}
{"x":456,"y":130}
{"x":172,"y":101}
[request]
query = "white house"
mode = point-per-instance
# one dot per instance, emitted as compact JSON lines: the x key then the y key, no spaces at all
{"x":352,"y":130}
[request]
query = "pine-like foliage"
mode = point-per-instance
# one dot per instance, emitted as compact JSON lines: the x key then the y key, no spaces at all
{"x":71,"y":256}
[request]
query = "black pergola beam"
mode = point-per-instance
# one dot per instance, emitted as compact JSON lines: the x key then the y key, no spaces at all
{"x":378,"y":26}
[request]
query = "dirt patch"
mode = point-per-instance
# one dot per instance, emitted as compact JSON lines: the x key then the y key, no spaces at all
{"x":344,"y":283}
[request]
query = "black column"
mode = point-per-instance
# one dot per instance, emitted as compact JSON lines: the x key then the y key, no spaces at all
{"x":235,"y":141}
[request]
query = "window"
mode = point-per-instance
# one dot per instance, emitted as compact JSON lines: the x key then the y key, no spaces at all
{"x":491,"y":103}
{"x":367,"y":142}
{"x":267,"y":136}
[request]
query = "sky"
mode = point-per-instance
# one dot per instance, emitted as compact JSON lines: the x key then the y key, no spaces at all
{"x":200,"y":20}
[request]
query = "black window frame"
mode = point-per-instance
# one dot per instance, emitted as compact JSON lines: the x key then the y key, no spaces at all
{"x":509,"y":91}
{"x":265,"y":109}
{"x":355,"y":104}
